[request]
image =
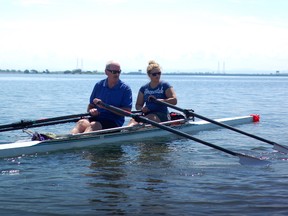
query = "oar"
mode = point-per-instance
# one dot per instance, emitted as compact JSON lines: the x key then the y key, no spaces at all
{"x":42,"y":122}
{"x":276,"y":146}
{"x":243,"y":159}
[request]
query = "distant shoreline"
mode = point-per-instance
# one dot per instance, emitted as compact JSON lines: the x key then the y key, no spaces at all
{"x":140,"y":74}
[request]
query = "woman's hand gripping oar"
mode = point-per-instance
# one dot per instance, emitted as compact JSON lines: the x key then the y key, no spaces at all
{"x":243,"y":159}
{"x":276,"y":146}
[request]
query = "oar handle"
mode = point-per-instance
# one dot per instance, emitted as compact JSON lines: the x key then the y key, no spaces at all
{"x":187,"y":112}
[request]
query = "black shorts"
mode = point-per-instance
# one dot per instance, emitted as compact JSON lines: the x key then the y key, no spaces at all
{"x":105,"y":123}
{"x":162,"y":116}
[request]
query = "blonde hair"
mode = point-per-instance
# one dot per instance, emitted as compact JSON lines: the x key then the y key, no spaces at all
{"x":152,"y":65}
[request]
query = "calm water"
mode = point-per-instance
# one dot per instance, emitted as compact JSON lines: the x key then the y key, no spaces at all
{"x":159,"y":177}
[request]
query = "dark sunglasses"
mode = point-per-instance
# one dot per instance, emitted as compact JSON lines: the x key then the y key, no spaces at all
{"x":114,"y":71}
{"x":155,"y":74}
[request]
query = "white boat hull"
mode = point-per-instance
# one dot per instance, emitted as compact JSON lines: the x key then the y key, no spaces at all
{"x":96,"y":138}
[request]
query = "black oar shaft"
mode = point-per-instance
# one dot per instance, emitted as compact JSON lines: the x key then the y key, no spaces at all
{"x":244,"y":159}
{"x":41,"y":122}
{"x":177,"y":132}
{"x":44,"y":122}
{"x":234,"y":129}
{"x":180,"y":133}
{"x":190,"y":113}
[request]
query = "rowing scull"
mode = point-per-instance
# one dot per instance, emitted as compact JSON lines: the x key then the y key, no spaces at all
{"x":121,"y":134}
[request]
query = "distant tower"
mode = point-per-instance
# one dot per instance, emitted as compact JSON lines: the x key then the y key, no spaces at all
{"x":80,"y":64}
{"x":219,"y":67}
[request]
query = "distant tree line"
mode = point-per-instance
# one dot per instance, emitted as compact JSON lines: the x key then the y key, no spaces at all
{"x":25,"y":71}
{"x":75,"y":71}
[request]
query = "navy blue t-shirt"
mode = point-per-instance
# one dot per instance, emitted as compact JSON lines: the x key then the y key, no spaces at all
{"x":119,"y":96}
{"x":159,"y":93}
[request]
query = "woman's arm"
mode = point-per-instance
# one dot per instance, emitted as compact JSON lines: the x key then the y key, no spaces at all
{"x":140,"y":101}
{"x":171,"y":96}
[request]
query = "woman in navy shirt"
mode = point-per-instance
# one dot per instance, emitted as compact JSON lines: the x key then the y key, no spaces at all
{"x":158,"y":89}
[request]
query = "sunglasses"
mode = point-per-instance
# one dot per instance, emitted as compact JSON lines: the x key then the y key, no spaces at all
{"x":155,"y":74}
{"x":114,"y":71}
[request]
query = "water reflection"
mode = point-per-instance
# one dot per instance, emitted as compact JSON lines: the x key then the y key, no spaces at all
{"x":136,"y":166}
{"x":106,"y":162}
{"x":153,"y":151}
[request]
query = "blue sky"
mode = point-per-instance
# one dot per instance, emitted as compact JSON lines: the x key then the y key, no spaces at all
{"x":182,"y":35}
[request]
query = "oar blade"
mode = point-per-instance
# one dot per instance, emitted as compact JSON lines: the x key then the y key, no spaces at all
{"x":247,"y":160}
{"x":280,"y":148}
